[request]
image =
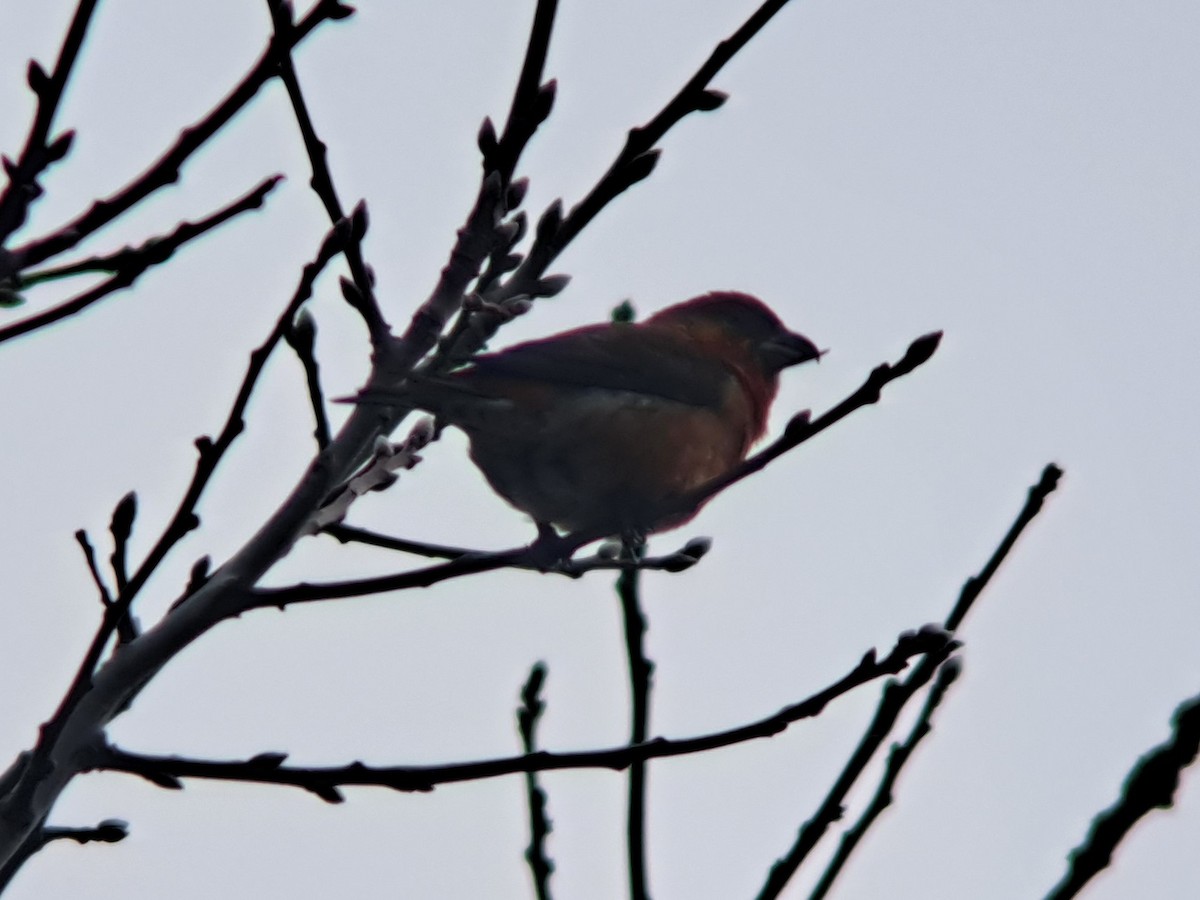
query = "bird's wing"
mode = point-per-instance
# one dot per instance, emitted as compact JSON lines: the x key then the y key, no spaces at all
{"x":619,"y":357}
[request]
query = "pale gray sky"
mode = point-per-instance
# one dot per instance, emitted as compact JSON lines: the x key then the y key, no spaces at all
{"x":1022,"y":175}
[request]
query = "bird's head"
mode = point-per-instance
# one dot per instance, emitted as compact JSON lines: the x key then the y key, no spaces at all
{"x":741,"y":329}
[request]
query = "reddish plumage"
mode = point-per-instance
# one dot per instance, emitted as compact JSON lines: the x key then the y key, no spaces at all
{"x":603,"y":428}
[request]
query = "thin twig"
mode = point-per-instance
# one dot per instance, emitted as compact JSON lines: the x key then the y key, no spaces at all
{"x":121,"y":528}
{"x":129,"y":264}
{"x":641,"y":672}
{"x":301,"y":337}
{"x":349,"y":534}
{"x":683,"y":558}
{"x":1150,"y":785}
{"x":552,"y":553}
{"x":110,"y":831}
{"x":531,"y":101}
{"x":89,"y":554}
{"x":210,"y":454}
{"x":322,"y":180}
{"x":541,"y":867}
{"x":896,"y":695}
{"x":636,"y":159}
{"x":38,"y":154}
{"x":799,"y":429}
{"x":882,"y":798}
{"x":269,"y":768}
{"x":1033,"y":505}
{"x":165,"y":170}
{"x":126,"y":630}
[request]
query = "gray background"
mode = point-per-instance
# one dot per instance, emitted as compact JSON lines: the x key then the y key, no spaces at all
{"x":1022,"y":175}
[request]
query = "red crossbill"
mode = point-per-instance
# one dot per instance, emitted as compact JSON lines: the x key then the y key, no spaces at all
{"x":603,"y":429}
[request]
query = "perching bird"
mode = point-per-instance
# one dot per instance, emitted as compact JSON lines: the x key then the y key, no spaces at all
{"x":603,"y":429}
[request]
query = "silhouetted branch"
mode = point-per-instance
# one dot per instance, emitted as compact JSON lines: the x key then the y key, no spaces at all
{"x":801,"y":427}
{"x":1033,"y":505}
{"x":301,"y":336}
{"x":121,"y":528}
{"x":89,"y":554}
{"x":269,"y":768}
{"x":896,"y":695}
{"x":210,"y":454}
{"x":551,"y":552}
{"x":39,"y":152}
{"x":540,"y":865}
{"x":322,"y":180}
{"x":882,"y":798}
{"x":531,"y":103}
{"x":128,"y":264}
{"x":1150,"y":785}
{"x":110,"y":831}
{"x":683,"y":558}
{"x":641,"y":674}
{"x":634,"y":162}
{"x":165,"y":170}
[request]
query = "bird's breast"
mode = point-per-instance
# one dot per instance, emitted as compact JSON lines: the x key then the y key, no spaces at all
{"x":609,"y":460}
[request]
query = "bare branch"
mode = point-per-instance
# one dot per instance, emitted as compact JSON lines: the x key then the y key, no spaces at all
{"x":641,"y":672}
{"x":110,"y":831}
{"x":637,"y":157}
{"x":322,"y":180}
{"x":210,"y":453}
{"x":130,"y":263}
{"x":530,"y":711}
{"x":532,"y":100}
{"x":39,"y":152}
{"x":683,"y":558}
{"x":165,"y":170}
{"x":1033,"y":505}
{"x":268,"y":768}
{"x":89,"y":554}
{"x":121,"y":528}
{"x":301,"y":336}
{"x":1150,"y":785}
{"x":896,"y":695}
{"x":897,"y":758}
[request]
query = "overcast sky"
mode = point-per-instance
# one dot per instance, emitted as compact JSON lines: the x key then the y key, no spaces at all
{"x":1021,"y":175}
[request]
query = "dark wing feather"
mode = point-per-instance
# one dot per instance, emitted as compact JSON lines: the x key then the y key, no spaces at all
{"x":620,"y":357}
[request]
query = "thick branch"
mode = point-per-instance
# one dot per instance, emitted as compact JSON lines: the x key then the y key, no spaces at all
{"x":185,"y":518}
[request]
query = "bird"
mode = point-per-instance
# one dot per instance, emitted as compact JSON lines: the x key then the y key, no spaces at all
{"x":607,"y":429}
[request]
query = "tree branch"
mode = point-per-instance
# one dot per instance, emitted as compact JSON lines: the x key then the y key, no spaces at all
{"x":301,"y":336}
{"x":641,"y":672}
{"x":269,"y":768}
{"x":896,"y":695}
{"x":532,"y":706}
{"x":165,"y":170}
{"x":130,"y":263}
{"x":322,"y":180}
{"x":1150,"y":785}
{"x":209,"y":457}
{"x":635,"y":161}
{"x":37,"y":154}
{"x":897,"y":758}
